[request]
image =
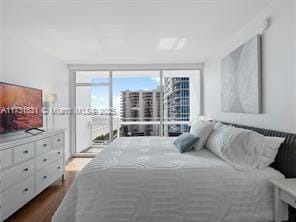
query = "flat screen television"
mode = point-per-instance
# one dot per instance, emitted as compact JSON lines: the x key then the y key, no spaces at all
{"x":20,"y":108}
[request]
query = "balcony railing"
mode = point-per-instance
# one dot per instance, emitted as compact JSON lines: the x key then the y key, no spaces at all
{"x":133,"y":127}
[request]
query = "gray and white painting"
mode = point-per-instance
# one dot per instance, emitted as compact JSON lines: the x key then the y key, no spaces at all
{"x":241,"y":79}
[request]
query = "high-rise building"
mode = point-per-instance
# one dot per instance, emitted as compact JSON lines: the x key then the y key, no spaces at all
{"x":145,"y":106}
{"x":141,"y":106}
{"x":176,"y":103}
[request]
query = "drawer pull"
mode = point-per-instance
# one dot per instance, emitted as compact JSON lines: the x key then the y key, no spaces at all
{"x":26,"y":169}
{"x":26,"y":151}
{"x":60,"y":168}
{"x":44,"y":160}
{"x":44,"y":145}
{"x":59,"y":140}
{"x":44,"y":178}
{"x":59,"y":153}
{"x":26,"y":189}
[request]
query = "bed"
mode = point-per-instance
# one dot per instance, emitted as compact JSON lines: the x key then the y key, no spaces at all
{"x":147,"y":179}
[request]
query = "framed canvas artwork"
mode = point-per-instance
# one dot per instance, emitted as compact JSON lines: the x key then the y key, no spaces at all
{"x":241,"y":78}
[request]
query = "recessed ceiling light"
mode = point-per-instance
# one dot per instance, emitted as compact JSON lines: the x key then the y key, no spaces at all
{"x":167,"y":43}
{"x":181,"y":43}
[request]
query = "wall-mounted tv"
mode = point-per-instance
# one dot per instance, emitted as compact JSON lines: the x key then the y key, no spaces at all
{"x":20,"y":108}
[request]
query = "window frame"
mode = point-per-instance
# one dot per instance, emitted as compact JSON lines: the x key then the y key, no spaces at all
{"x":73,"y":68}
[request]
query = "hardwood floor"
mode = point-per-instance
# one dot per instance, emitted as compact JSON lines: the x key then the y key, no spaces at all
{"x":42,"y":207}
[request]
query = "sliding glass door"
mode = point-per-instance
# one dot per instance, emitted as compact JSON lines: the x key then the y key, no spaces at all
{"x":93,"y":128}
{"x":123,"y":103}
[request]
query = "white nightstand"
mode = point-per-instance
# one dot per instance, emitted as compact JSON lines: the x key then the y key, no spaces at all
{"x":284,"y":193}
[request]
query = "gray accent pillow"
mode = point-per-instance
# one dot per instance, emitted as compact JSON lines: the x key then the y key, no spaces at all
{"x":185,"y":141}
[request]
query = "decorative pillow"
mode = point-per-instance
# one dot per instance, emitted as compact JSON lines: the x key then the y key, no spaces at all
{"x":217,"y":125}
{"x":271,"y":148}
{"x":240,"y":148}
{"x":202,"y":130}
{"x":185,"y":141}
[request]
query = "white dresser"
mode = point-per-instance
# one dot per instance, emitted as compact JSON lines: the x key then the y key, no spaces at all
{"x":28,"y":165}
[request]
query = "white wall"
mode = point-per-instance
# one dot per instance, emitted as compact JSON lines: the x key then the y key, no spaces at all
{"x":28,"y":65}
{"x":279,"y":81}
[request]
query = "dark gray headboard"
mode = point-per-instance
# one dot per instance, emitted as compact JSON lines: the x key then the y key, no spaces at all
{"x":285,"y":161}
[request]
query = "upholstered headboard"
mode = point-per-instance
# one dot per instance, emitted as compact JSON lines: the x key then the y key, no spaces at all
{"x":285,"y":161}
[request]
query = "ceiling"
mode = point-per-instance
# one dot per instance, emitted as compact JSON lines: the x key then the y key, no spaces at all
{"x":128,"y":31}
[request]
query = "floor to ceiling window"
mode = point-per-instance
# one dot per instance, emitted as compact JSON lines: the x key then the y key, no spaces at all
{"x":132,"y":103}
{"x":136,"y":98}
{"x":93,"y":130}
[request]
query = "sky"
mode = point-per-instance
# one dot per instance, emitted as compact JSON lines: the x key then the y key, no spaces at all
{"x":100,"y":94}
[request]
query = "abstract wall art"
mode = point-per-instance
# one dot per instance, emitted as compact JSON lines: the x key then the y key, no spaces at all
{"x":241,"y":79}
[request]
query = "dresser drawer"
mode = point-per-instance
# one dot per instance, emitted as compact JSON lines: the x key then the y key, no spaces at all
{"x":23,"y":152}
{"x":48,"y":175}
{"x":43,"y":146}
{"x":288,"y":198}
{"x":49,"y":157}
{"x":5,"y":158}
{"x":17,"y":196}
{"x":58,"y":140}
{"x":16,"y":174}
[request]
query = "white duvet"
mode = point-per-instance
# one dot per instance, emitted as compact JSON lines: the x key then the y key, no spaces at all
{"x":146,"y":179}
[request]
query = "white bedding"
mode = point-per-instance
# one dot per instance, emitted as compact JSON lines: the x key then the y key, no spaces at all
{"x":146,"y":179}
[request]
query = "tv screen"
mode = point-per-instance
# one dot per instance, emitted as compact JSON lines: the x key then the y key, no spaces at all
{"x":20,"y":108}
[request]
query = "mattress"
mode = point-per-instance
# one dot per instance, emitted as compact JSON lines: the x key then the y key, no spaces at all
{"x":147,"y":179}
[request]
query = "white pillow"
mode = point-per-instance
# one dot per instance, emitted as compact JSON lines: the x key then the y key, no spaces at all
{"x":202,"y":130}
{"x":239,"y":147}
{"x":217,"y":125}
{"x":271,"y":148}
